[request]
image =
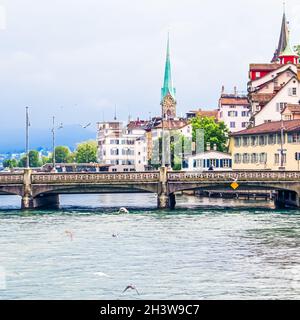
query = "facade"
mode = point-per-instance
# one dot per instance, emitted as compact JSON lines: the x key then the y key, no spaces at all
{"x":216,"y":160}
{"x":260,"y":148}
{"x":122,"y":149}
{"x":275,"y":85}
{"x":202,"y":113}
{"x":234,"y":111}
{"x":291,"y":112}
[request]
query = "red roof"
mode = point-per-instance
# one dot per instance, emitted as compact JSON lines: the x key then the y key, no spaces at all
{"x":173,"y":124}
{"x":271,"y":127}
{"x":234,"y":101}
{"x":264,"y":66}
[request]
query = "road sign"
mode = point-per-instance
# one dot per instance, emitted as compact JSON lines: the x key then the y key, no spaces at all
{"x":234,"y":185}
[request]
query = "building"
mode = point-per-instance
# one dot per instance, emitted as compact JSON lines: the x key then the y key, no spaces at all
{"x":272,"y":86}
{"x":234,"y":110}
{"x":202,"y":114}
{"x":168,"y":92}
{"x":291,"y":112}
{"x":211,"y":159}
{"x":122,"y":148}
{"x":262,"y":147}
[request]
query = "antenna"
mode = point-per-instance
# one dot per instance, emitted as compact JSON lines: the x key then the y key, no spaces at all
{"x":115,"y":117}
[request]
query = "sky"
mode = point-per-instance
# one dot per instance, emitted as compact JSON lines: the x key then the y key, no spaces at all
{"x":78,"y":59}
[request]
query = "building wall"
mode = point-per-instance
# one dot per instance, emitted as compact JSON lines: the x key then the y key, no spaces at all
{"x":236,"y":114}
{"x":272,"y":110}
{"x":203,"y":161}
{"x":268,"y":161}
{"x":121,"y":149}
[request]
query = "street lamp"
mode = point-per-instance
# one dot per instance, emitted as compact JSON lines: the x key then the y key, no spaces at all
{"x":53,"y":141}
{"x":27,"y":138}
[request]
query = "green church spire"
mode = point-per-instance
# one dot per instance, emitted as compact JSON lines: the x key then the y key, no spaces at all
{"x":168,"y":83}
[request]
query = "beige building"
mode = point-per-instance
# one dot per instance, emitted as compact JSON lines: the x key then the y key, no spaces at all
{"x":260,"y":147}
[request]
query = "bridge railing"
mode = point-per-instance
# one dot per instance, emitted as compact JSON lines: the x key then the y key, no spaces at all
{"x":234,"y":175}
{"x":44,"y":178}
{"x":11,"y":178}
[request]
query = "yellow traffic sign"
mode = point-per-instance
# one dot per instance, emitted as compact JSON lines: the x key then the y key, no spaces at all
{"x":234,"y":185}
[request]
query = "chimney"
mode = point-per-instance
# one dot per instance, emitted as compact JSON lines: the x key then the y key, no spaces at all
{"x":208,"y":146}
{"x":223,"y":90}
{"x":235,"y":91}
{"x":215,"y":147}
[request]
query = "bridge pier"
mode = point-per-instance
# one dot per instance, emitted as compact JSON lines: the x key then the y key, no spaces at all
{"x":287,"y":199}
{"x":165,"y":201}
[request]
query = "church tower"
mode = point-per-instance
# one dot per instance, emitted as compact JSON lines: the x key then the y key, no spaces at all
{"x":283,"y":39}
{"x":168,"y":92}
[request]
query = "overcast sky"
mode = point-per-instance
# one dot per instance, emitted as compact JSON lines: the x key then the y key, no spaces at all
{"x":77,"y":59}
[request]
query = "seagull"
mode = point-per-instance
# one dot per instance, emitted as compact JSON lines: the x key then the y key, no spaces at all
{"x":114,"y":235}
{"x":131,"y":287}
{"x":61,"y":126}
{"x":85,"y":126}
{"x":70,"y":234}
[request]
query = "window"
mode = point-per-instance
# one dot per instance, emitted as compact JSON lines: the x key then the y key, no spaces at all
{"x":114,"y":170}
{"x":246,"y":158}
{"x":262,"y":140}
{"x":292,"y":91}
{"x":263,"y":158}
{"x":245,"y":142}
{"x":232,"y":124}
{"x":280,"y":106}
{"x":244,"y":124}
{"x":237,"y":158}
{"x":237,"y":142}
{"x":257,"y":75}
{"x":213,"y":163}
{"x":254,"y":141}
{"x":276,"y":158}
{"x":245,"y":113}
{"x":232,"y":113}
{"x":226,"y":163}
{"x":257,"y":108}
{"x":114,"y":152}
{"x":294,"y":138}
{"x":254,"y":158}
{"x":271,"y":139}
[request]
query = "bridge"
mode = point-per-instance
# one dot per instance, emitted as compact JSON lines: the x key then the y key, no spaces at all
{"x":39,"y":190}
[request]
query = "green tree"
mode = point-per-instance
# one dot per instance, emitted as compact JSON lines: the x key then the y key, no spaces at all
{"x":10,"y":163}
{"x":34,"y":160}
{"x":214,"y":132}
{"x":86,"y":152}
{"x":61,"y":154}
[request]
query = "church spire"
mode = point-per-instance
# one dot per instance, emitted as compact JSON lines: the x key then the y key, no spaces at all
{"x":288,"y":55}
{"x":283,"y":39}
{"x":168,"y":83}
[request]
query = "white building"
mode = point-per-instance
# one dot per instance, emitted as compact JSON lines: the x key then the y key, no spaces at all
{"x":212,"y":159}
{"x":234,"y":111}
{"x":123,"y":148}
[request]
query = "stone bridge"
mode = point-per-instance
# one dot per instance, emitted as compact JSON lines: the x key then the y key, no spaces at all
{"x":43,"y":189}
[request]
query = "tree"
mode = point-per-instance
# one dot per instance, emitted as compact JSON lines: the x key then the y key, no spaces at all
{"x":10,"y":163}
{"x":34,"y":160}
{"x":61,"y":154}
{"x":86,"y":152}
{"x":214,"y":132}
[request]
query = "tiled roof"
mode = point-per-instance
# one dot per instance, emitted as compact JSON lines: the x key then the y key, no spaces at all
{"x":262,"y":97}
{"x":234,"y":101}
{"x":173,"y":124}
{"x":138,"y":124}
{"x":207,"y":113}
{"x":271,"y":127}
{"x":294,"y":108}
{"x":264,"y":66}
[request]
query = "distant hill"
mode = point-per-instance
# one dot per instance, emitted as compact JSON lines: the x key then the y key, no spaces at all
{"x":13,"y":140}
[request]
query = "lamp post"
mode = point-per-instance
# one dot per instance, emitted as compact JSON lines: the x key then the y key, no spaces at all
{"x":53,"y":141}
{"x":27,"y":138}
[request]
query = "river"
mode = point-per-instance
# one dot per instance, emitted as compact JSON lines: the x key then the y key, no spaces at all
{"x":205,"y":249}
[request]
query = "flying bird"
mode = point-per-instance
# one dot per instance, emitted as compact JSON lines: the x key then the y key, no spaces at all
{"x":131,"y":287}
{"x":85,"y":126}
{"x":61,"y":126}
